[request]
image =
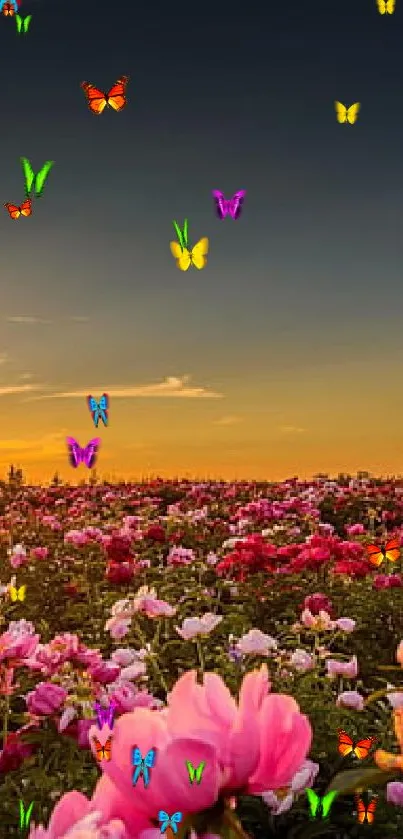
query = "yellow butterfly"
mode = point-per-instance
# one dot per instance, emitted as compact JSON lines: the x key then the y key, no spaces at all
{"x":344,"y":114}
{"x":185,"y":258}
{"x":386,"y":7}
{"x":17,"y":593}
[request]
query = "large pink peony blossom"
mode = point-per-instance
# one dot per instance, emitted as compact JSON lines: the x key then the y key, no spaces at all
{"x":248,"y":747}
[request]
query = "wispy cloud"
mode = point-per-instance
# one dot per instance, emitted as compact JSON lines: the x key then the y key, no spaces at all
{"x":229,"y":420}
{"x":291,"y":429}
{"x":25,"y":319}
{"x":3,"y":357}
{"x":26,"y":376}
{"x":80,"y":318}
{"x":9,"y":390}
{"x":172,"y":386}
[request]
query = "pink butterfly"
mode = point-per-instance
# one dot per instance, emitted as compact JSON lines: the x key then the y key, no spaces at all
{"x":228,"y":206}
{"x":88,"y":455}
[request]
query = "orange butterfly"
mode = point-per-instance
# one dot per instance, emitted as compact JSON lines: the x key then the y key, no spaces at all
{"x":360,"y":749}
{"x":97,"y":100}
{"x":390,"y":551}
{"x":103,"y":751}
{"x":365,"y":813}
{"x":8,"y":9}
{"x":24,"y":210}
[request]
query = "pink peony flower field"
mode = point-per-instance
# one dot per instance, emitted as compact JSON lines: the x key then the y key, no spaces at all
{"x":189,"y":659}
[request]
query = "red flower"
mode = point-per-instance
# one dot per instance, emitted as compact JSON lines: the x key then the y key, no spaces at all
{"x":318,"y":603}
{"x":119,"y":548}
{"x":156,"y":533}
{"x":388,"y":581}
{"x":119,"y":572}
{"x":14,"y":753}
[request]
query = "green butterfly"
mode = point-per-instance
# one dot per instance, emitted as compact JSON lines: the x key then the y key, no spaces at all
{"x":25,"y":815}
{"x":182,"y":234}
{"x":320,"y":806}
{"x":22,"y":23}
{"x":195,"y":774}
{"x":35,"y":181}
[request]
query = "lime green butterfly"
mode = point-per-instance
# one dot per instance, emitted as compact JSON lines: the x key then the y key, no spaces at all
{"x":25,"y":815}
{"x":32,"y":181}
{"x":320,"y":806}
{"x":22,"y":23}
{"x":195,"y":773}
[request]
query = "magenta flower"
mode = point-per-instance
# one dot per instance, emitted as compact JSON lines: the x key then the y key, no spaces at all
{"x":347,"y":669}
{"x":350,"y":699}
{"x":45,"y":699}
{"x":394,"y":793}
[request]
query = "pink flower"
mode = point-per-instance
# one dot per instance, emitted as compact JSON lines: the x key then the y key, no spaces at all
{"x":127,"y":698}
{"x":303,"y":778}
{"x":149,"y":605}
{"x":118,"y":626}
{"x":348,"y":669}
{"x":45,"y":699}
{"x":319,"y":622}
{"x":75,"y":537}
{"x":17,"y":556}
{"x":395,"y":698}
{"x":302,"y":661}
{"x":394,"y":793}
{"x":355,"y":529}
{"x":346,"y":624}
{"x":350,"y":699}
{"x":104,"y":672}
{"x":193,"y":627}
{"x":19,"y":641}
{"x":256,"y":642}
{"x":382,"y":581}
{"x":39,"y":553}
{"x":181,"y":556}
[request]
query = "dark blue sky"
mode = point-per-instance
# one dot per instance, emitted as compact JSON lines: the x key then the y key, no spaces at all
{"x":296,"y":319}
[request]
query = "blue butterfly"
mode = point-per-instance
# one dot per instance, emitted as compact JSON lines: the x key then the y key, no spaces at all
{"x":169,"y":821}
{"x":99,"y":409}
{"x":143,"y":765}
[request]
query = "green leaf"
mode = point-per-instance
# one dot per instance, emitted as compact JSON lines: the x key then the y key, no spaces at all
{"x":346,"y":783}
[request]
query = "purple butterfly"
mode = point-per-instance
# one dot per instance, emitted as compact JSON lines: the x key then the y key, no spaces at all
{"x":105,"y":715}
{"x":88,"y":455}
{"x":228,"y":206}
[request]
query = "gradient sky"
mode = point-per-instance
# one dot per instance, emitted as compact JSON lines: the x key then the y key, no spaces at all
{"x":284,"y":355}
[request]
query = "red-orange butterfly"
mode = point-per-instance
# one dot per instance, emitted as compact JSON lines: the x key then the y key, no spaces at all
{"x":97,"y":100}
{"x":365,"y":813}
{"x":103,"y":751}
{"x":390,"y":551}
{"x":360,"y":749}
{"x":24,"y":210}
{"x":8,"y":9}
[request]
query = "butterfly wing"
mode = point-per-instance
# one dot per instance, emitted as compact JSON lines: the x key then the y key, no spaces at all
{"x":199,"y":771}
{"x":104,"y":407}
{"x":75,"y":451}
{"x":13,"y":593}
{"x":182,"y":256}
{"x":150,"y":757}
{"x":352,"y":113}
{"x":29,"y":175}
{"x":381,"y":6}
{"x":41,"y":177}
{"x":21,"y":593}
{"x":26,"y":208}
{"x":341,"y":112}
{"x":327,"y":802}
{"x":99,"y":749}
{"x":26,"y":22}
{"x":163,"y":818}
{"x":346,"y":744}
{"x":116,"y":98}
{"x":93,"y":406}
{"x":18,"y":21}
{"x":390,"y":6}
{"x":392,"y":550}
{"x":13,"y":210}
{"x":96,"y":99}
{"x":236,"y":202}
{"x":107,"y":749}
{"x":175,"y":819}
{"x":361,"y":810}
{"x":371,"y":810}
{"x":199,"y":253}
{"x":362,"y":747}
{"x":375,"y":555}
{"x":220,"y":203}
{"x":90,"y":452}
{"x":28,"y":814}
{"x":313,"y":801}
{"x":191,"y":771}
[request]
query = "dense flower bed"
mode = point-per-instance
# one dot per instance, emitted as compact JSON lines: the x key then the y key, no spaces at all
{"x":239,"y":625}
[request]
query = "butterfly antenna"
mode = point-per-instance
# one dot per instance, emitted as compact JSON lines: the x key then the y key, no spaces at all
{"x":179,"y":234}
{"x":185,"y":232}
